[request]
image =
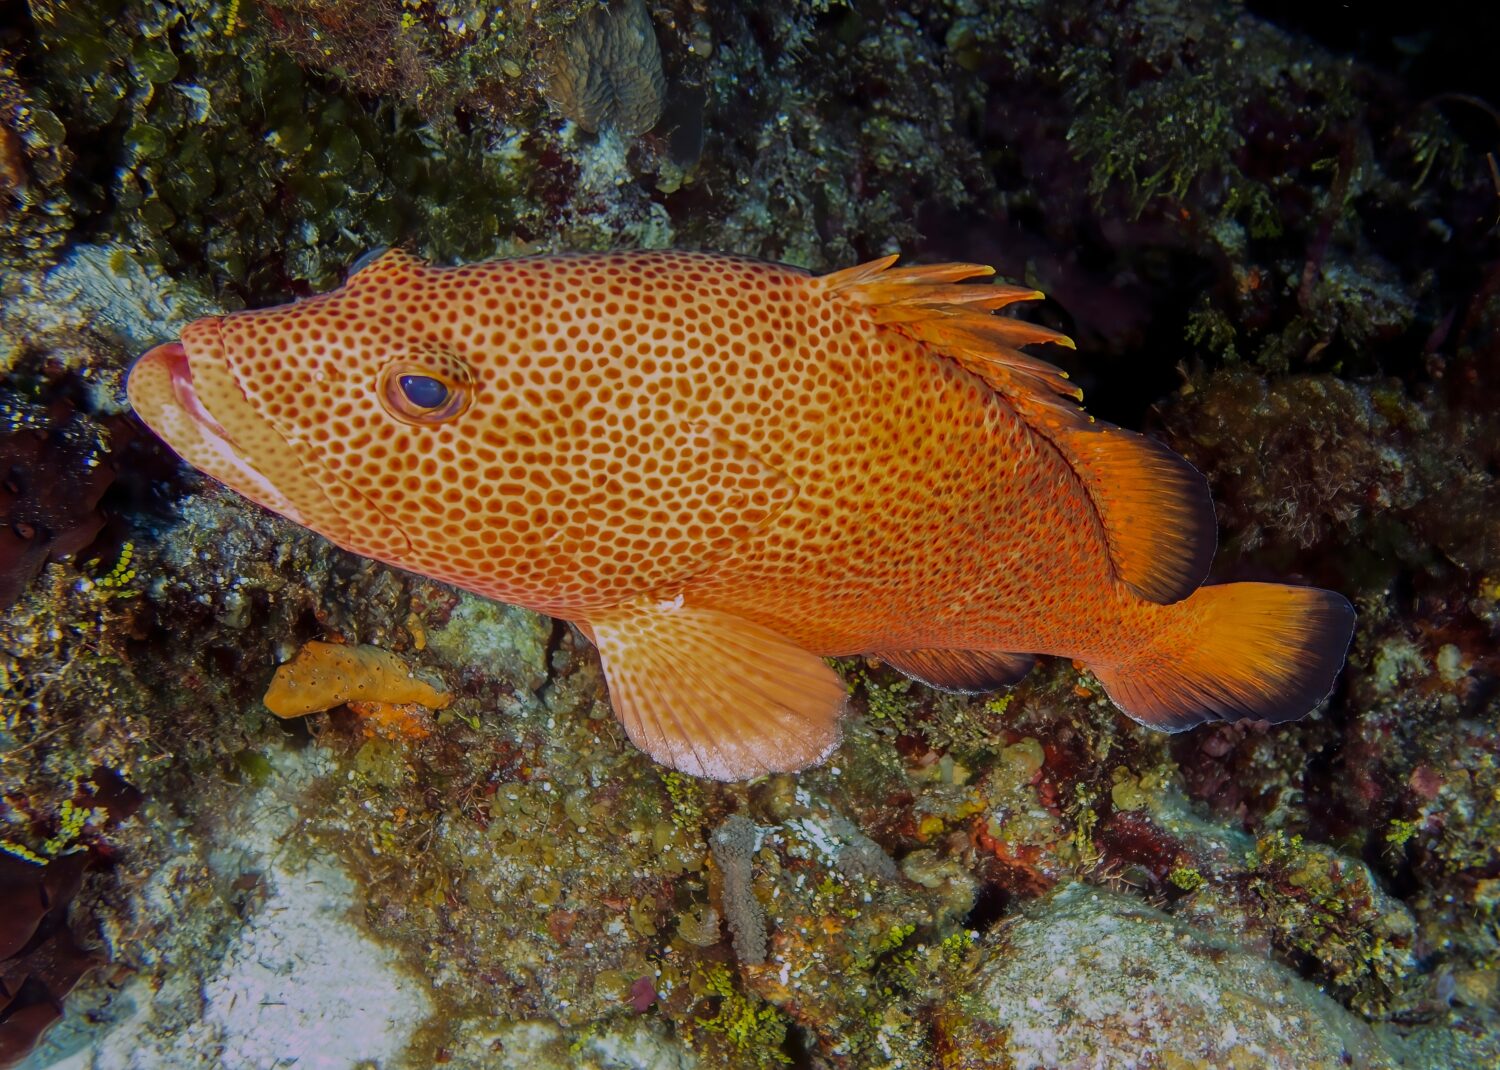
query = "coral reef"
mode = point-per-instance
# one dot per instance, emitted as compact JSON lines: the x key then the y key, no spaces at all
{"x":1086,"y":977}
{"x":607,"y":70}
{"x":1279,"y":257}
{"x":733,"y":845}
{"x":41,"y":960}
{"x":56,"y":463}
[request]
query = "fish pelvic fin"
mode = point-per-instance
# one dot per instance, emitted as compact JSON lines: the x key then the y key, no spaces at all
{"x":1153,"y":507}
{"x":966,"y":672}
{"x":1238,"y":651}
{"x":714,"y":695}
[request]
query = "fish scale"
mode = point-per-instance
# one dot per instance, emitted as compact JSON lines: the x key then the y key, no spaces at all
{"x":723,"y":469}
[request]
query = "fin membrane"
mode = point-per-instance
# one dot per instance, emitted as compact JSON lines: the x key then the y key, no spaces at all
{"x":1153,"y":507}
{"x":714,"y":695}
{"x":1243,"y":651}
{"x":968,"y":672}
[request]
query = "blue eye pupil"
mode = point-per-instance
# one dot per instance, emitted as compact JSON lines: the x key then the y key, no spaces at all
{"x":423,"y":391}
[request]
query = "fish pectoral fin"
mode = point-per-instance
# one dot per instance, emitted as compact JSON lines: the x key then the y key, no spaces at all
{"x":714,"y":695}
{"x":968,"y":672}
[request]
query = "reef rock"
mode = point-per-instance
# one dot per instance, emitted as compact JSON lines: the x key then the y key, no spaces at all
{"x":1086,"y":977}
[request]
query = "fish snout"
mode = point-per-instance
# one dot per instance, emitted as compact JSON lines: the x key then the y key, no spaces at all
{"x":188,"y":392}
{"x":169,"y":362}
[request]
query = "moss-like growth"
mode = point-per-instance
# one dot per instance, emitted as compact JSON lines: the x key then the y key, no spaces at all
{"x":1330,"y":909}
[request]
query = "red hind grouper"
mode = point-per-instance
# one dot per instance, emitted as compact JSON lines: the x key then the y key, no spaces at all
{"x":722,"y":470}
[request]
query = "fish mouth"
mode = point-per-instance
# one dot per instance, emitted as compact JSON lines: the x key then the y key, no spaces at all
{"x":186,"y":391}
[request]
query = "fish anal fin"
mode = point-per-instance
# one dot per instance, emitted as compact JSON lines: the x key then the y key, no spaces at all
{"x":1238,"y":651}
{"x":968,"y":672}
{"x":714,"y":695}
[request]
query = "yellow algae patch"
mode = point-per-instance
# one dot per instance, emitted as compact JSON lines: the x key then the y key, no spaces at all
{"x":325,"y":675}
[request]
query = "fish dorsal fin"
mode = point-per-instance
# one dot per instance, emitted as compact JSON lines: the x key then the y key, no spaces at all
{"x":1153,"y":507}
{"x":714,"y":695}
{"x":388,"y":266}
{"x":968,"y":672}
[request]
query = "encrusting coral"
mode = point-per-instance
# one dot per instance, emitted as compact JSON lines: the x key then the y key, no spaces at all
{"x":607,"y":70}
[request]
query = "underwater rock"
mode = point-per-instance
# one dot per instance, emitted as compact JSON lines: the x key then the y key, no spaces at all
{"x":1363,"y":470}
{"x":438,"y":58}
{"x":41,"y":959}
{"x":250,"y":949}
{"x":506,"y":640}
{"x":1455,"y":1038}
{"x":607,"y":70}
{"x":36,"y":213}
{"x":1088,"y":977}
{"x":56,"y":463}
{"x":117,"y":292}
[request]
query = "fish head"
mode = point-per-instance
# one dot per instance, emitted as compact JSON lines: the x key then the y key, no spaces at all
{"x":343,"y":412}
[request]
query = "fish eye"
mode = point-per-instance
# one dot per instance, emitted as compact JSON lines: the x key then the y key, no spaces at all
{"x":425,"y":392}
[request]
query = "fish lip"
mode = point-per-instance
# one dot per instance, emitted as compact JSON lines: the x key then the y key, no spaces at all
{"x":212,"y":448}
{"x":173,"y":355}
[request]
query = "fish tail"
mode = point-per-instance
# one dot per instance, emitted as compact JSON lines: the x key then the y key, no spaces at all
{"x":1237,"y":651}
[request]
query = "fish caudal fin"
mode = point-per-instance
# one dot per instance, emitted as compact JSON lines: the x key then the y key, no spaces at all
{"x":714,"y":695}
{"x":1240,"y":651}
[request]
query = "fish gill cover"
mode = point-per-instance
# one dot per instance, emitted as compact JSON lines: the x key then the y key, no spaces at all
{"x":1273,"y":237}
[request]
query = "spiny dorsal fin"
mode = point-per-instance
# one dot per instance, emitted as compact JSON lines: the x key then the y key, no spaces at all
{"x":967,"y":672}
{"x":1153,"y":507}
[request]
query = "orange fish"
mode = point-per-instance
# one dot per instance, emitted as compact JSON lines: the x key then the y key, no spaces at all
{"x":722,"y":470}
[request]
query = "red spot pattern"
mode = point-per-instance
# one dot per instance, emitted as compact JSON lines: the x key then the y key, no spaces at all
{"x":668,"y":423}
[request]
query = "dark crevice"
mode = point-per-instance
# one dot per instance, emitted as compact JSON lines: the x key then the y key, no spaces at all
{"x":989,"y":907}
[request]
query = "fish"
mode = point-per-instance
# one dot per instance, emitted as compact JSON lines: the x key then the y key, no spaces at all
{"x":724,"y":471}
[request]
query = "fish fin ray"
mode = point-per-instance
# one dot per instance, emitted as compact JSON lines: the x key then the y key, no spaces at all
{"x":1248,"y":651}
{"x":714,"y":695}
{"x":1153,"y":507}
{"x":923,"y":302}
{"x":967,"y":672}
